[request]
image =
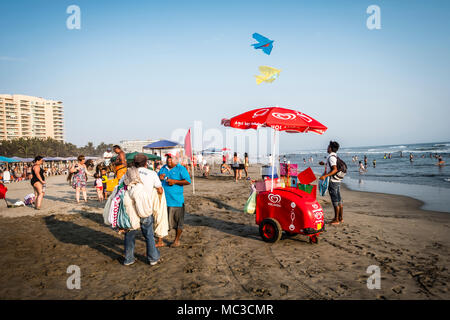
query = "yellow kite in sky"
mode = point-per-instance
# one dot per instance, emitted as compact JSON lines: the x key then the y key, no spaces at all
{"x":268,"y":74}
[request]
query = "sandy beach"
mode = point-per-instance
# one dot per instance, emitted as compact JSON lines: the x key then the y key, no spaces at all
{"x":222,"y":255}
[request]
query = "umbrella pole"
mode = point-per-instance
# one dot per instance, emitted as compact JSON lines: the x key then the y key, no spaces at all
{"x":273,"y":157}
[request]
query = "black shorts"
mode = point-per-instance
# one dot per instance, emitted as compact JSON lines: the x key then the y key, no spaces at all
{"x":104,"y":187}
{"x":176,"y":217}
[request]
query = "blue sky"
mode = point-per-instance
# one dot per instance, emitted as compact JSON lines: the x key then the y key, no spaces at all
{"x":140,"y":69}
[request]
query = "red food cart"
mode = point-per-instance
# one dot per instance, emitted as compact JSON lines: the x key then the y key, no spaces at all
{"x":291,"y":210}
{"x":283,"y":209}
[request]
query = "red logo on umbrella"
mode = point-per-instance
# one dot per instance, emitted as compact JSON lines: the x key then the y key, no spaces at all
{"x":284,"y":116}
{"x":260,"y":113}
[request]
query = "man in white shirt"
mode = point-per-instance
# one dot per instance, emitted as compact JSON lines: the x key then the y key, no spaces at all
{"x":334,"y":184}
{"x":150,"y":180}
{"x":107,"y":155}
{"x":6,"y":176}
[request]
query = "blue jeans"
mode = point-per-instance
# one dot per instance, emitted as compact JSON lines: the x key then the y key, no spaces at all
{"x":147,"y":231}
{"x":335,"y":193}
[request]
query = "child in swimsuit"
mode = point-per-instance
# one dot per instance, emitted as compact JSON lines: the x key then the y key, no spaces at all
{"x":99,"y":187}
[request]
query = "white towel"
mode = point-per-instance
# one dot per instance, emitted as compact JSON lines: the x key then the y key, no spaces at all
{"x":160,"y":215}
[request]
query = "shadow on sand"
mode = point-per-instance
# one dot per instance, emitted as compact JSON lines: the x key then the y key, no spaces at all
{"x":236,"y":229}
{"x":71,"y":233}
{"x":233,"y":228}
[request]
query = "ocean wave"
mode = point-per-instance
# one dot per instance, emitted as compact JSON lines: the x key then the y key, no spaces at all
{"x":398,"y":147}
{"x":427,"y":150}
{"x":442,"y":151}
{"x":448,"y":179}
{"x":441,"y":145}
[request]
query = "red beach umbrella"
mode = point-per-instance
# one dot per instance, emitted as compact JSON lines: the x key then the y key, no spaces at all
{"x":279,"y":119}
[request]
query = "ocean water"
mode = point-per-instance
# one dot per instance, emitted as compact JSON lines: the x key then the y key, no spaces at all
{"x":421,"y":179}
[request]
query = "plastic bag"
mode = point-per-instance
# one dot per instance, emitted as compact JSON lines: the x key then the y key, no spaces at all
{"x":323,"y":186}
{"x":107,"y":209}
{"x":250,"y":206}
{"x":123,"y":220}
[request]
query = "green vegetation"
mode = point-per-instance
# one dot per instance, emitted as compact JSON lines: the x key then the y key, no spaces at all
{"x":29,"y":148}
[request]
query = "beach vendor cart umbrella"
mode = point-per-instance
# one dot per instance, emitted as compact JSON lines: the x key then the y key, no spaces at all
{"x":279,"y":119}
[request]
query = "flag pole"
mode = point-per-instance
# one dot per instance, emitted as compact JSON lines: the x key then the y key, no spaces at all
{"x":193,"y":167}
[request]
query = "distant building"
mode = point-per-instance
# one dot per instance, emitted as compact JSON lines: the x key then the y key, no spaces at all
{"x":134,"y":145}
{"x":30,"y":117}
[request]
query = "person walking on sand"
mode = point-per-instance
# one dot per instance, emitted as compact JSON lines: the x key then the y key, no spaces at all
{"x":174,"y":177}
{"x":246,"y":164}
{"x":78,"y":177}
{"x":335,"y":184}
{"x":38,"y":181}
{"x":236,"y":167}
{"x":120,"y":163}
{"x":150,"y":181}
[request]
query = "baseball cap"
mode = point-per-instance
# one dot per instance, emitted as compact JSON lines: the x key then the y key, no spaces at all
{"x":171,"y":155}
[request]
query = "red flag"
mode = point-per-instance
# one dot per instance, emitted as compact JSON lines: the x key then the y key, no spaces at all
{"x":187,"y":145}
{"x":306,"y":176}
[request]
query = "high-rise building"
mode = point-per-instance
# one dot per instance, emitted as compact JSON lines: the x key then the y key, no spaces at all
{"x":30,"y":117}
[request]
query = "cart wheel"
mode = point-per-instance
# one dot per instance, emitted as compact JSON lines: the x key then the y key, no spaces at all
{"x":314,"y":239}
{"x":270,"y":230}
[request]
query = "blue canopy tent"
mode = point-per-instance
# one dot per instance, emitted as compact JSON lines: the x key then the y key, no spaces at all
{"x":23,"y":159}
{"x":161,"y":144}
{"x":7,"y":160}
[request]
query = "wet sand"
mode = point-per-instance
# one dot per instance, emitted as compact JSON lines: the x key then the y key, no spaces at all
{"x":222,"y":255}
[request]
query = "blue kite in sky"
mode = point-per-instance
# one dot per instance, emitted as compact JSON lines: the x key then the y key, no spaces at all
{"x":263,"y":43}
